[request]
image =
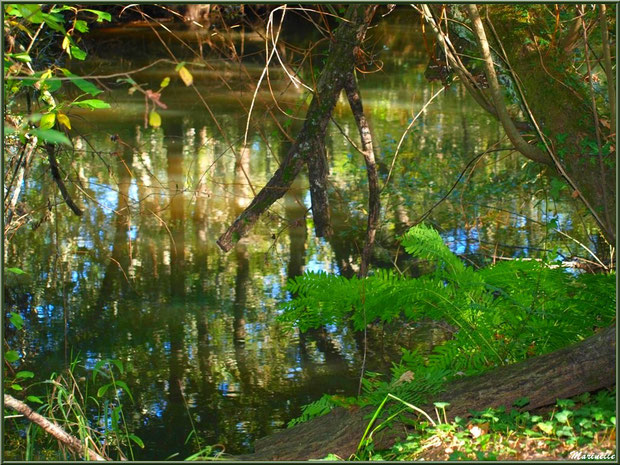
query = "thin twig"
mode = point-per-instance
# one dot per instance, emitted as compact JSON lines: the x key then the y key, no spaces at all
{"x":402,"y":138}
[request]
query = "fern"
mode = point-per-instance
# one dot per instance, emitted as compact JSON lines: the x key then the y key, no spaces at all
{"x":314,"y":409}
{"x":502,"y":314}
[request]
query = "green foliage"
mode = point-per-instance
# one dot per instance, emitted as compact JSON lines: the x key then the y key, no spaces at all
{"x":497,"y":315}
{"x":314,"y":409}
{"x":28,"y":68}
{"x":574,"y":424}
{"x":68,"y":401}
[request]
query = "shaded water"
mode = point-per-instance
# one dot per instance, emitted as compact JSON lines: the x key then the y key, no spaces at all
{"x":139,"y":277}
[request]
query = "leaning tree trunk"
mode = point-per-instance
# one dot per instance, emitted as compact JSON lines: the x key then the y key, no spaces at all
{"x":582,"y":367}
{"x":309,"y":145}
{"x":52,"y":428}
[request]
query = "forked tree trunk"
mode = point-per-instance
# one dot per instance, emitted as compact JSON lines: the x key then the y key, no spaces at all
{"x":583,"y":367}
{"x":309,"y":146}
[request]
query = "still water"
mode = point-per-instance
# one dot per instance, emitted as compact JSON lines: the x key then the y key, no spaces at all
{"x":139,"y":278}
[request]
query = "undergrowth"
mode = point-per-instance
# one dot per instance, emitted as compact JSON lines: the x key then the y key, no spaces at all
{"x":574,"y":429}
{"x":499,"y":315}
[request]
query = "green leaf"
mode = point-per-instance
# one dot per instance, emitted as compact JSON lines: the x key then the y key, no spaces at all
{"x":154,"y":119}
{"x":47,"y":121}
{"x":23,"y":57}
{"x":116,"y":415}
{"x":125,"y":388}
{"x":118,"y":364}
{"x":51,"y":135}
{"x":17,"y":320}
{"x":545,"y":426}
{"x":82,"y":84}
{"x":24,"y":374}
{"x":521,"y":402}
{"x":16,"y":387}
{"x":13,"y":270}
{"x":11,"y":356}
{"x":565,"y":403}
{"x":563,"y":416}
{"x":91,"y":104}
{"x":77,"y":52}
{"x":101,"y":15}
{"x":137,"y":440}
{"x":165,"y":81}
{"x":34,"y":399}
{"x":52,"y":21}
{"x":127,"y":80}
{"x":31,"y":13}
{"x":81,"y":25}
{"x":103,"y":389}
{"x":179,"y":66}
{"x":97,"y":369}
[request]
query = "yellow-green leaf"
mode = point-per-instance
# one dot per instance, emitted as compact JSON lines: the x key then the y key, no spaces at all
{"x":66,"y":44}
{"x":187,"y":77}
{"x":47,"y":121}
{"x":154,"y":119}
{"x":165,"y":82}
{"x":64,"y":120}
{"x":11,"y":356}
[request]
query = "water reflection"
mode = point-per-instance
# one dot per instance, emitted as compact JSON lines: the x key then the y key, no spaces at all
{"x":139,"y":278}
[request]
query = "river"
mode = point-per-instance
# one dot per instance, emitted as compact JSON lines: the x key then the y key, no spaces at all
{"x":139,"y":278}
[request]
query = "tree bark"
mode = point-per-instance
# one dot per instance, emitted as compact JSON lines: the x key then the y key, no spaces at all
{"x":308,"y":148}
{"x":51,"y":156}
{"x":51,"y":428}
{"x":529,"y":151}
{"x":582,"y":367}
{"x":374,"y":202}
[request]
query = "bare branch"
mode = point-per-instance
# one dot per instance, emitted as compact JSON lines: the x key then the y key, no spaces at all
{"x":61,"y":185}
{"x":52,"y":428}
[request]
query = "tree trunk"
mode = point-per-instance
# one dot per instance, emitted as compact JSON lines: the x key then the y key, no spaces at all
{"x":374,"y":201}
{"x":583,"y":367}
{"x":309,"y":145}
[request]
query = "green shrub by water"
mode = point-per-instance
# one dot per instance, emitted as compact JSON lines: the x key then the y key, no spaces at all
{"x":499,"y":315}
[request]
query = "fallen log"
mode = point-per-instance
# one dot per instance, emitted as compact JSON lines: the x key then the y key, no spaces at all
{"x":52,"y":428}
{"x":582,"y":367}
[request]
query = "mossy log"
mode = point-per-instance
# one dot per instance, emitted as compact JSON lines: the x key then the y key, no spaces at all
{"x":583,"y":367}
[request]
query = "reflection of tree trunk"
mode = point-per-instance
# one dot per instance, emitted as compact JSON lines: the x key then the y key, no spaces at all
{"x":342,"y":245}
{"x":174,"y":416}
{"x":239,"y":307}
{"x":295,"y":214}
{"x":202,"y":174}
{"x":241,"y":283}
{"x":119,"y":262}
{"x":333,"y":357}
{"x":176,"y":225}
{"x":402,"y":217}
{"x":241,"y":183}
